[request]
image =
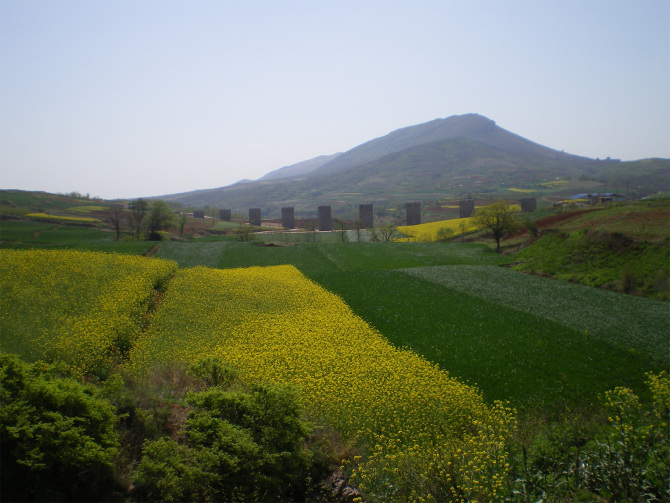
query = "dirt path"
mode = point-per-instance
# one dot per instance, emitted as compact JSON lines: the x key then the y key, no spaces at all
{"x":153,"y":250}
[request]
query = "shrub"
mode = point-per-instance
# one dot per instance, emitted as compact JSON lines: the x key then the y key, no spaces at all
{"x":628,"y":460}
{"x":239,"y":446}
{"x":58,"y":436}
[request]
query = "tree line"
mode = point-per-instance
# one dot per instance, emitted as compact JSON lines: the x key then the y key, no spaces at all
{"x":144,"y":220}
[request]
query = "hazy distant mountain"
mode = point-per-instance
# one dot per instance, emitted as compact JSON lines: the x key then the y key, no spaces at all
{"x":441,"y":158}
{"x":471,"y":126}
{"x":300,"y":168}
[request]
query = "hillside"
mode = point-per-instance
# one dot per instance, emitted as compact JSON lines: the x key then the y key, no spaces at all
{"x":469,"y":126}
{"x":300,"y":168}
{"x":439,"y":159}
{"x":623,"y":247}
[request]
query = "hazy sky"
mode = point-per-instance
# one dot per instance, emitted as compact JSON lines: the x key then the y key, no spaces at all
{"x":142,"y":98}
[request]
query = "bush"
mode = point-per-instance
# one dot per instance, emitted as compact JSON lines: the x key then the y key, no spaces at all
{"x":58,"y":436}
{"x":242,"y":445}
{"x":628,"y":459}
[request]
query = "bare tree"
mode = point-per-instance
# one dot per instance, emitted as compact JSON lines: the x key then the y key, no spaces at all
{"x":182,"y":223}
{"x":138,"y":210}
{"x":388,"y":232}
{"x":115,"y":214}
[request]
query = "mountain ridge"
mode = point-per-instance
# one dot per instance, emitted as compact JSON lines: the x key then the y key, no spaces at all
{"x":437,"y":159}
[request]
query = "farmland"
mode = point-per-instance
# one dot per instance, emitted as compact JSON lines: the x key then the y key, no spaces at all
{"x":74,"y":306}
{"x":400,"y":352}
{"x":432,"y":231}
{"x":276,"y":325}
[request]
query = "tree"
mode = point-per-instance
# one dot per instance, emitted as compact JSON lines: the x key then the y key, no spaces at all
{"x":385,"y":232}
{"x":138,"y":211}
{"x":161,"y":217}
{"x":182,"y":223}
{"x":114,"y":213}
{"x":497,"y":217}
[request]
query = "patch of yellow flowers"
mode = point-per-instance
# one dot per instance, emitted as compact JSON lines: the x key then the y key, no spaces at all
{"x":44,"y":216}
{"x":73,"y":306}
{"x":424,"y":434}
{"x":430,"y":231}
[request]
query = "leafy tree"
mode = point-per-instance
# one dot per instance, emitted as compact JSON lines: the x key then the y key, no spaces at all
{"x":497,"y":217}
{"x":245,"y":232}
{"x":445,"y":233}
{"x":161,"y":217}
{"x":58,"y":435}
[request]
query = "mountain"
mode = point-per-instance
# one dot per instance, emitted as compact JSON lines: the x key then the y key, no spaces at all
{"x":301,"y":168}
{"x":435,"y":160}
{"x":471,"y":126}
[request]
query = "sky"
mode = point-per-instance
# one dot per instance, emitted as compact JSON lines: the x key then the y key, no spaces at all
{"x":126,"y":99}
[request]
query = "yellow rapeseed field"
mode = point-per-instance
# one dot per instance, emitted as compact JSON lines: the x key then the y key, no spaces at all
{"x":429,"y":232}
{"x":417,"y":425}
{"x":44,"y":216}
{"x":74,"y":305}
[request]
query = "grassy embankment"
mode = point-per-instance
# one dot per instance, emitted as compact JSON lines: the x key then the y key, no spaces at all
{"x":620,"y":247}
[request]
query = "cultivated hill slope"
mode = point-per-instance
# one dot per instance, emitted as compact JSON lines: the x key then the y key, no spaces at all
{"x":438,"y":159}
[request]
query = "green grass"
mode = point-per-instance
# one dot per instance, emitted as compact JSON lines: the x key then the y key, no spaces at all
{"x":222,"y":225}
{"x":30,"y":234}
{"x":636,"y":325}
{"x":601,"y":259}
{"x":313,"y":259}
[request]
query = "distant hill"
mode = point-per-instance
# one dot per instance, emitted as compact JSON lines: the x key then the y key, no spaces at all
{"x":301,"y":168}
{"x":470,"y":126}
{"x":435,"y":160}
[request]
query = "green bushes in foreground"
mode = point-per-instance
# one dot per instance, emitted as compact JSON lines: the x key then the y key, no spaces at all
{"x":238,"y":445}
{"x":61,"y":441}
{"x":58,"y":436}
{"x":626,"y":459}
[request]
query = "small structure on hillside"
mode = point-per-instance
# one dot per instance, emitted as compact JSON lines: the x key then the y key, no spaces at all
{"x":225,"y":215}
{"x":255,"y":217}
{"x":366,"y":216}
{"x":198,"y":213}
{"x":288,"y":217}
{"x":325,"y":219}
{"x":466,"y":208}
{"x":413,"y":211}
{"x":528,"y":204}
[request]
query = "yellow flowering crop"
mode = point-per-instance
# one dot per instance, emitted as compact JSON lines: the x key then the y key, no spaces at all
{"x":428,"y":232}
{"x":275,"y":324}
{"x":74,"y":305}
{"x":44,"y":216}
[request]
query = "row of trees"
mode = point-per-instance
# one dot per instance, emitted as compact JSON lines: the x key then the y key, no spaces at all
{"x":144,"y":218}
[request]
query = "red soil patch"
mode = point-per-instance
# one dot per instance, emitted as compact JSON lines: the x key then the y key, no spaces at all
{"x":551,"y":221}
